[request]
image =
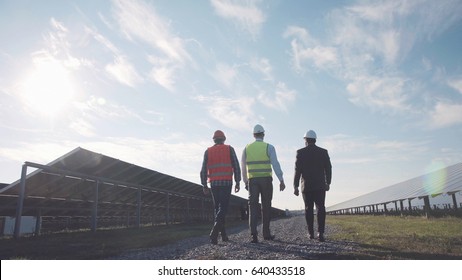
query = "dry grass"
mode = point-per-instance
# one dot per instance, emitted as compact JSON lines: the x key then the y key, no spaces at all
{"x":390,"y":237}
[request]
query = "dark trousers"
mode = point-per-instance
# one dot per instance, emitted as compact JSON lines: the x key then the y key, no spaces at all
{"x":220,"y":196}
{"x":260,"y":187}
{"x":310,"y":199}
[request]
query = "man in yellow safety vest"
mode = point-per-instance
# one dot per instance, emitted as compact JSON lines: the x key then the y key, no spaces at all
{"x":257,"y":160}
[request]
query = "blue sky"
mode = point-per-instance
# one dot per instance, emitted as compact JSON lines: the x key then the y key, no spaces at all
{"x":148,"y":82}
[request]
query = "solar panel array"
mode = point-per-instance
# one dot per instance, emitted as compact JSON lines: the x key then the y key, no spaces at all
{"x":443,"y":181}
{"x":70,"y":185}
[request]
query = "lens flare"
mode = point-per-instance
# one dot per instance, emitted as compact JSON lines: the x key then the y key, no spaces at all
{"x":435,"y":178}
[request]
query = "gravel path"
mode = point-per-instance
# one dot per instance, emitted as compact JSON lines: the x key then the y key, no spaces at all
{"x":291,"y":243}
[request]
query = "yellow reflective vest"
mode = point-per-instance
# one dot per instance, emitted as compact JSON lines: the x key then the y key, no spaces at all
{"x":257,"y":160}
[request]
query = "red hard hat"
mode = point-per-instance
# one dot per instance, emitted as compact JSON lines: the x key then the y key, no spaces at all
{"x":219,"y":135}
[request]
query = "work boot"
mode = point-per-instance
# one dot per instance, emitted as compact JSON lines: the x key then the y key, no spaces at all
{"x":224,"y":236}
{"x":310,"y":233}
{"x":269,"y":237}
{"x":254,"y":239}
{"x":310,"y":236}
{"x":321,"y":237}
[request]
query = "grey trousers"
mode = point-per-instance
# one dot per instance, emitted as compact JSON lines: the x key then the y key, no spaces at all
{"x":260,"y":187}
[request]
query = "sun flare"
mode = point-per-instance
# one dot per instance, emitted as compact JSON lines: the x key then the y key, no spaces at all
{"x":48,"y":88}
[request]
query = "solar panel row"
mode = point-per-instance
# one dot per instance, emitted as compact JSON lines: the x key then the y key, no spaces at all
{"x":443,"y":181}
{"x":83,"y":183}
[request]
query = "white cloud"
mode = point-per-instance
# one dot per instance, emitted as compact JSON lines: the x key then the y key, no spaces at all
{"x":390,"y":45}
{"x":264,"y":67}
{"x":245,"y":13}
{"x":355,"y":37}
{"x":307,"y":50}
{"x":138,"y":19}
{"x":346,"y":149}
{"x":300,"y":33}
{"x":341,"y":143}
{"x":383,"y":93}
{"x":434,"y":17}
{"x":390,"y":29}
{"x":124,"y":72}
{"x":321,"y":56}
{"x":58,"y":25}
{"x":163,"y":72}
{"x":225,"y":74}
{"x":35,"y":151}
{"x":100,"y":108}
{"x":366,"y":43}
{"x":164,"y":76}
{"x":281,"y":98}
{"x":426,"y":64}
{"x":59,"y":44}
{"x":102,"y":40}
{"x":456,"y":83}
{"x":83,"y":128}
{"x":235,"y":113}
{"x":445,"y":114}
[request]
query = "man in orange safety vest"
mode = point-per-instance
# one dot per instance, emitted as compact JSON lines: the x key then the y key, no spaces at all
{"x":219,"y":165}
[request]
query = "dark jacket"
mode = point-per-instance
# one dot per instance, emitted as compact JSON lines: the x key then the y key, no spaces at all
{"x":313,"y":167}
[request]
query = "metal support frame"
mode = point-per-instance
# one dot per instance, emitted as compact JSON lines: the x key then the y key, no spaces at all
{"x":427,"y":207}
{"x":94,"y":213}
{"x":19,"y":207}
{"x":96,"y":196}
{"x":38,"y":222}
{"x":454,"y":200}
{"x":188,"y":211}
{"x":167,"y":213}
{"x":138,"y":208}
{"x":203,"y":210}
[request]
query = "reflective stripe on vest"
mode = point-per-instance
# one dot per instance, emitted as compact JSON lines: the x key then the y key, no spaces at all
{"x":219,"y":165}
{"x":257,"y":160}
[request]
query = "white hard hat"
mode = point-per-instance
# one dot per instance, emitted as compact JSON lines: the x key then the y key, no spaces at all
{"x":310,"y":134}
{"x":258,"y":129}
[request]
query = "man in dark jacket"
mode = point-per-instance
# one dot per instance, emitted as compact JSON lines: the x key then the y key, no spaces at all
{"x":313,"y":167}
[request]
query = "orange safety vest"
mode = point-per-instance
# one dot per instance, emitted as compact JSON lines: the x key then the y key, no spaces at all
{"x":219,"y":165}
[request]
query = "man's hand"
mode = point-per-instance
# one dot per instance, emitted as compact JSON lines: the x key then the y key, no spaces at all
{"x":205,"y":190}
{"x":296,"y":191}
{"x":237,"y":188}
{"x":282,"y":186}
